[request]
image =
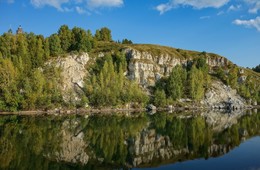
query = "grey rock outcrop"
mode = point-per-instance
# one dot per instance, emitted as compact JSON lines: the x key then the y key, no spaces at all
{"x":219,"y":94}
{"x":213,"y":61}
{"x":146,"y":68}
{"x":73,"y":73}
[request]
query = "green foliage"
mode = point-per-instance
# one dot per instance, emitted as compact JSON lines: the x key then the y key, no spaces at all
{"x":80,"y":40}
{"x":126,"y":41}
{"x":112,"y":137}
{"x":108,"y":85}
{"x":232,"y":77}
{"x":244,"y":91}
{"x":9,"y":96}
{"x":181,"y":83}
{"x":55,"y":46}
{"x":35,"y":85}
{"x":159,"y":98}
{"x":175,"y":83}
{"x":257,"y":68}
{"x":65,"y":36}
{"x":104,"y":34}
{"x":196,"y":82}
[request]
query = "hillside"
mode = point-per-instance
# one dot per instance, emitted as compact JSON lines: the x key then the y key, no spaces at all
{"x":77,"y":69}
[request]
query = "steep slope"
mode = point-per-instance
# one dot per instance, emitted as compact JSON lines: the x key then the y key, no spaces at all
{"x":146,"y":64}
{"x":73,"y":73}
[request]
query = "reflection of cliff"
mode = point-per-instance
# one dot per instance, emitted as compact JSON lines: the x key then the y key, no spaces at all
{"x":184,"y":138}
{"x":72,"y":147}
{"x":149,"y":147}
{"x":120,"y":141}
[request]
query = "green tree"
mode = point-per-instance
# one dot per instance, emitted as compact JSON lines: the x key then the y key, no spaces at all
{"x":104,"y":34}
{"x":6,"y":45}
{"x":32,"y":44}
{"x":80,"y":41}
{"x":46,"y":49}
{"x":23,"y":59}
{"x":38,"y":59}
{"x":232,"y":77}
{"x":175,"y":84}
{"x":257,"y":68}
{"x":159,"y":98}
{"x":55,"y":45}
{"x":9,"y":97}
{"x":126,"y":41}
{"x":65,"y":36}
{"x":196,"y":81}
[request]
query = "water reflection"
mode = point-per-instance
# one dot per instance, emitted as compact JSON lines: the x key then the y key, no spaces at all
{"x":119,"y":140}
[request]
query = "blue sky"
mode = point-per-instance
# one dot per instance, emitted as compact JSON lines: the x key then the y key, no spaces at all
{"x":227,"y":27}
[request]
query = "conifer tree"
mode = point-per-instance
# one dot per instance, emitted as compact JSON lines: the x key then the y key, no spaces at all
{"x":55,"y":45}
{"x":65,"y":36}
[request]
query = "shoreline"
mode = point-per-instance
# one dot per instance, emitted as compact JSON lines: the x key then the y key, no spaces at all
{"x":119,"y":110}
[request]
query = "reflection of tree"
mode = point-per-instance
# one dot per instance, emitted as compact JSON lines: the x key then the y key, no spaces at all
{"x":108,"y":135}
{"x":29,"y":142}
{"x":23,"y":141}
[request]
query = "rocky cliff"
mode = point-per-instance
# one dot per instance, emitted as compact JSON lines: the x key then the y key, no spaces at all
{"x":219,"y":95}
{"x":146,"y":68}
{"x":73,"y":72}
{"x":146,"y":65}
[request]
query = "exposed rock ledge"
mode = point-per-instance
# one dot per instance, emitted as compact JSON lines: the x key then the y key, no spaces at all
{"x":147,"y":68}
{"x":219,"y":94}
{"x":73,"y":73}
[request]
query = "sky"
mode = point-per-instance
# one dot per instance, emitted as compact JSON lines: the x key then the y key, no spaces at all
{"x":230,"y":28}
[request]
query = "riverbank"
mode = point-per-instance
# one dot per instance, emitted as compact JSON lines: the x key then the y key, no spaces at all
{"x":115,"y":110}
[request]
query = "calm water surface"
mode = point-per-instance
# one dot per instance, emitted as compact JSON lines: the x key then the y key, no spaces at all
{"x":207,"y":140}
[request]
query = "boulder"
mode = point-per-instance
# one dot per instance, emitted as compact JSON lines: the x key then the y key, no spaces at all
{"x":151,"y":107}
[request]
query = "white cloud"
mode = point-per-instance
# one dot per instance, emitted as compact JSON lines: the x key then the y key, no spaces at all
{"x":205,"y":17}
{"x":104,"y":3}
{"x":254,"y":6}
{"x":54,"y":3}
{"x":66,"y":9}
{"x":252,"y":23}
{"x":234,"y":7}
{"x":73,"y":5}
{"x":220,"y":13}
{"x":162,"y":8}
{"x":80,"y":10}
{"x":255,"y":9}
{"x":198,"y":4}
{"x":79,"y":6}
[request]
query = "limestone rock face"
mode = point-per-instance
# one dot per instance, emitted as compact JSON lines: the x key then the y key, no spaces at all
{"x":73,"y":73}
{"x":220,"y":93}
{"x":216,"y":61}
{"x":146,"y":68}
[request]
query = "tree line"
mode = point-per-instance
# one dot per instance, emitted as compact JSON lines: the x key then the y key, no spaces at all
{"x":26,"y":82}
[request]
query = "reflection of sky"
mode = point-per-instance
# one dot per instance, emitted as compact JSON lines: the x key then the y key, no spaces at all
{"x":244,"y":157}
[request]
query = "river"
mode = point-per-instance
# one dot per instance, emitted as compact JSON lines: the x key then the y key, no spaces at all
{"x":188,"y":140}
